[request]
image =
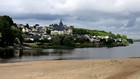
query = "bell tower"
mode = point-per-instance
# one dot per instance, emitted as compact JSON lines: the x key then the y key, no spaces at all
{"x":61,"y":23}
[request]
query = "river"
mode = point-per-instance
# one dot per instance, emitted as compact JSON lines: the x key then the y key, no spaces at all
{"x":133,"y":50}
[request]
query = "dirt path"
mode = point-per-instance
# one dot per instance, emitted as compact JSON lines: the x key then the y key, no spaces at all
{"x":72,"y":69}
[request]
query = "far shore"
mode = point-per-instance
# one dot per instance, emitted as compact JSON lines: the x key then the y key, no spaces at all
{"x":73,"y":69}
{"x":44,"y":46}
{"x":47,"y":46}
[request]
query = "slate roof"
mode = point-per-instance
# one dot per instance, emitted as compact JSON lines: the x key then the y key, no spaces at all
{"x":60,"y":27}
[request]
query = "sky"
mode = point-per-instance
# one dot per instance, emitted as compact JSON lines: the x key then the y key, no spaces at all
{"x":117,"y":16}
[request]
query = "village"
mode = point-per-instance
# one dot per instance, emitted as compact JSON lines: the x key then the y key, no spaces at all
{"x":32,"y":33}
{"x":56,"y":35}
{"x":40,"y":32}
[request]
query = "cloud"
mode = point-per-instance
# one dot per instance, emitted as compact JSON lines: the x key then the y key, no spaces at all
{"x":110,"y":15}
{"x":131,"y":22}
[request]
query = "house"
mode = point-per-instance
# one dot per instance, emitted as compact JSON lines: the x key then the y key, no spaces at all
{"x":32,"y":30}
{"x":61,"y":30}
{"x":46,"y":36}
{"x":25,"y":30}
{"x":41,"y":29}
{"x":31,"y":37}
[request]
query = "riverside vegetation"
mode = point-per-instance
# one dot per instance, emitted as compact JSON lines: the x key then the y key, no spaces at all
{"x":11,"y":35}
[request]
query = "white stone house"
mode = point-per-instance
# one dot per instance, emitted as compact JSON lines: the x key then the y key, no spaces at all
{"x":25,"y":29}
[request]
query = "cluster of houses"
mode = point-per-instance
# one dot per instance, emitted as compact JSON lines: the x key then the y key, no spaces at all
{"x":96,"y":38}
{"x":39,"y":32}
{"x":99,"y":38}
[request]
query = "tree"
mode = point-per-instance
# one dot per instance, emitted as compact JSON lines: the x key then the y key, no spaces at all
{"x":57,"y":40}
{"x":7,"y":32}
{"x":72,"y":27}
{"x":16,"y":32}
{"x":110,"y":41}
{"x":27,"y":25}
{"x":7,"y":36}
{"x":82,"y":40}
{"x":118,"y":36}
{"x":80,"y":31}
{"x":130,"y":41}
{"x":48,"y":31}
{"x":55,"y":25}
{"x":68,"y":41}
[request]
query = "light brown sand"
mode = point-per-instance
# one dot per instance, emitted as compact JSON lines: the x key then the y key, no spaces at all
{"x":72,"y":69}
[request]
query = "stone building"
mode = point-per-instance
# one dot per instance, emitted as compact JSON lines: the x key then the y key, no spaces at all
{"x":61,"y":30}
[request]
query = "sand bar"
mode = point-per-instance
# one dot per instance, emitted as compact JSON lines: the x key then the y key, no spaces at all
{"x":72,"y":69}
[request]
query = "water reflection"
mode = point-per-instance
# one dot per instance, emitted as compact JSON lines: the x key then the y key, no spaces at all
{"x":6,"y":53}
{"x":70,"y":54}
{"x":36,"y":54}
{"x":46,"y":52}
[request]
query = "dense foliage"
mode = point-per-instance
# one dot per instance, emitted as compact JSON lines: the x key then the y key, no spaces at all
{"x":63,"y":40}
{"x":9,"y":31}
{"x":82,"y":31}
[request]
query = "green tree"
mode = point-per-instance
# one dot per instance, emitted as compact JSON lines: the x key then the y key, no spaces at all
{"x":57,"y":40}
{"x":68,"y":41}
{"x":48,"y":31}
{"x":130,"y":41}
{"x":8,"y":34}
{"x":110,"y":41}
{"x":16,"y":32}
{"x":82,"y":40}
{"x":80,"y":31}
{"x":54,"y":25}
{"x":27,"y":25}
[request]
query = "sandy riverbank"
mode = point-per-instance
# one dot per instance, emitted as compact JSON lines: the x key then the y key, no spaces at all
{"x":72,"y":69}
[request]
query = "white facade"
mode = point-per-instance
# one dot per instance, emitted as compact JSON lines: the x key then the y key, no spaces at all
{"x":24,"y":29}
{"x":61,"y":32}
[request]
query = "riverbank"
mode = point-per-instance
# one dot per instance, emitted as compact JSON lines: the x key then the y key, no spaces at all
{"x":51,"y":46}
{"x":73,"y":69}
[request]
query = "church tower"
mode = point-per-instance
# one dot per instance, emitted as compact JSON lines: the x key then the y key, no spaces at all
{"x":61,"y":24}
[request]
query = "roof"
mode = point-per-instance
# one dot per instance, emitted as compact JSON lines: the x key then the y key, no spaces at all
{"x":60,"y":27}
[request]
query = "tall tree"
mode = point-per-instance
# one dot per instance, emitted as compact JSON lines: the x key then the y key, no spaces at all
{"x":7,"y":32}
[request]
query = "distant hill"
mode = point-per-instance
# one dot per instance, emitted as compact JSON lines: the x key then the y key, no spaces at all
{"x":136,"y":40}
{"x":83,"y":31}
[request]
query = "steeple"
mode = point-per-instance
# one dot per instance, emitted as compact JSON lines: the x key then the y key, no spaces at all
{"x":60,"y":26}
{"x":61,"y":23}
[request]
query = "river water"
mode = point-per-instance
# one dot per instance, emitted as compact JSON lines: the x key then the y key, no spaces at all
{"x":133,"y":50}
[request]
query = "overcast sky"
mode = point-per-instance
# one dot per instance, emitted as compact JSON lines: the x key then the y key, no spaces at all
{"x":117,"y":16}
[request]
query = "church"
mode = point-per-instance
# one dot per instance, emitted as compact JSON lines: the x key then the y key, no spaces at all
{"x":61,"y":30}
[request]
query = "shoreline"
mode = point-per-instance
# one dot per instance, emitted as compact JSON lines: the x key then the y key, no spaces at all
{"x":73,"y":69}
{"x":35,"y":46}
{"x":66,"y":47}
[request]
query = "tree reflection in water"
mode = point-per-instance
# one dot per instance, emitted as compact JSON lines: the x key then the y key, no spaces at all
{"x":11,"y":53}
